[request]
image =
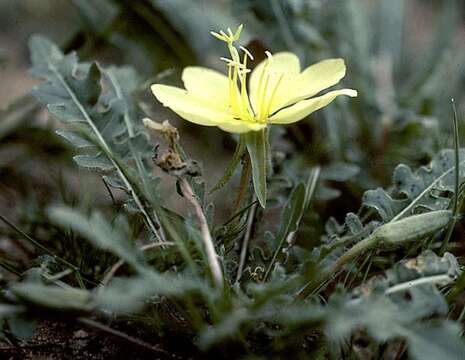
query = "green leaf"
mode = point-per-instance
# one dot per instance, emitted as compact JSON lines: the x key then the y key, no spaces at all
{"x":425,"y":271}
{"x":384,"y":320}
{"x":97,"y":15}
{"x":53,"y":297}
{"x":194,"y":21}
{"x":74,"y":139}
{"x":99,"y":101}
{"x":129,"y":295}
{"x":102,"y":234}
{"x":94,"y":162}
{"x":439,"y":340}
{"x":427,"y":188}
{"x":290,"y":220}
{"x":257,"y":147}
{"x":339,"y":171}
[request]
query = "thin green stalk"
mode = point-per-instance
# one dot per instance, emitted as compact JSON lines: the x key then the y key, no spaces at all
{"x":309,"y":193}
{"x":237,"y":156}
{"x":245,"y":241}
{"x":456,"y":184}
{"x":359,"y":248}
{"x":389,"y":235}
{"x":171,"y":231}
{"x":42,"y":247}
{"x":283,"y":25}
{"x":9,"y":268}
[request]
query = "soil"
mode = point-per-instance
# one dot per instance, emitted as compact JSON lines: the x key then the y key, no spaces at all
{"x":60,"y":341}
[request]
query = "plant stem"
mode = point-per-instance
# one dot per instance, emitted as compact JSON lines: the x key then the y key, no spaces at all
{"x":456,"y":184}
{"x":213,"y":262}
{"x":111,"y":273}
{"x":289,"y":237}
{"x":43,"y":248}
{"x":245,"y":241}
{"x":349,"y":255}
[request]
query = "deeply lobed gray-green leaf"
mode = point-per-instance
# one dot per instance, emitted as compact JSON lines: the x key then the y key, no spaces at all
{"x":101,"y":233}
{"x":427,"y":189}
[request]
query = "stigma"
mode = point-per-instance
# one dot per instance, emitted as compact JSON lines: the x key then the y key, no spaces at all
{"x":240,"y":103}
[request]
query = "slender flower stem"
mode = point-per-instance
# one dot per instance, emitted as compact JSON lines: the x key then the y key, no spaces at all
{"x":213,"y":262}
{"x":245,"y":241}
{"x":455,"y":201}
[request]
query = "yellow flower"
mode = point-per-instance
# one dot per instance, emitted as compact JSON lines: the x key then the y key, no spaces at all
{"x":276,"y":93}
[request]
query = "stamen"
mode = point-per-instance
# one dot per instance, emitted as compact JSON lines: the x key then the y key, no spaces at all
{"x":247,"y":52}
{"x":262,"y":105}
{"x":227,"y":60}
{"x":244,"y":94}
{"x":261,"y":91}
{"x":270,"y":100}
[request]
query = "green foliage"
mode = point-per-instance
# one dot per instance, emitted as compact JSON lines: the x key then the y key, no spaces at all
{"x":341,"y":260}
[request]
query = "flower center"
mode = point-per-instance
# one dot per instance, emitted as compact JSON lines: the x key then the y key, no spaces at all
{"x":239,"y":99}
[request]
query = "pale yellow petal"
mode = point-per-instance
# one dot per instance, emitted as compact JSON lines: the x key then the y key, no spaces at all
{"x":314,"y":79}
{"x":189,"y":107}
{"x":207,"y":83}
{"x":304,"y":108}
{"x":240,"y":127}
{"x":285,"y":65}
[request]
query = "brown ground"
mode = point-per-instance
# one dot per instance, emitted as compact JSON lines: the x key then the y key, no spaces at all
{"x":67,"y":340}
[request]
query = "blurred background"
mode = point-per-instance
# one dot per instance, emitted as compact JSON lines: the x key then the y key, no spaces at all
{"x":406,"y":59}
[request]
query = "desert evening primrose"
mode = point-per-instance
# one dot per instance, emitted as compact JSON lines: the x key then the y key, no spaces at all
{"x":276,"y":93}
{"x":246,"y":101}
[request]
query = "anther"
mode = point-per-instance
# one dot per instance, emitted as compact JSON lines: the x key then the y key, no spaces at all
{"x":247,"y":52}
{"x":268,"y":55}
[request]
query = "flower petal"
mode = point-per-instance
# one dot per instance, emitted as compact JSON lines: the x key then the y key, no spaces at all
{"x":189,"y":107}
{"x":304,"y":108}
{"x":200,"y":110}
{"x":316,"y":78}
{"x":283,"y":64}
{"x":240,"y":127}
{"x":208,"y":84}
